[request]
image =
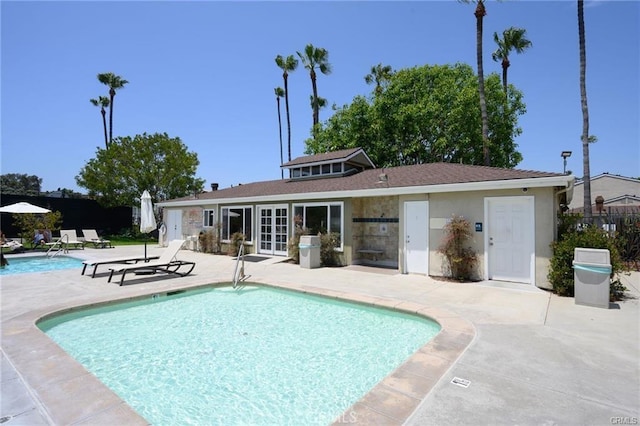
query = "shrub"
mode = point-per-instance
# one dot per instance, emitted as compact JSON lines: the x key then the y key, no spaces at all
{"x":292,"y":245}
{"x":209,"y":240}
{"x":28,"y":223}
{"x":461,"y":260}
{"x":328,"y":254}
{"x":237,"y":238}
{"x":561,"y":270}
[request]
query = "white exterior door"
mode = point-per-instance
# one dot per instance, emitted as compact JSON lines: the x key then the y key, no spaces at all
{"x":510,"y":239}
{"x":273,"y":230}
{"x":174,"y":225}
{"x":416,"y":238}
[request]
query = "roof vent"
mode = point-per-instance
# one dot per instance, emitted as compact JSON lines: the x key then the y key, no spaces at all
{"x":382,"y":178}
{"x":214,"y":186}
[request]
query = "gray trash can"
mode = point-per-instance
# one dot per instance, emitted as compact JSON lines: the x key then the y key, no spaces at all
{"x":309,"y":251}
{"x":591,"y":272}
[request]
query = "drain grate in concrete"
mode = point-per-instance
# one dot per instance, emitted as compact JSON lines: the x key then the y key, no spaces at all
{"x":461,"y":382}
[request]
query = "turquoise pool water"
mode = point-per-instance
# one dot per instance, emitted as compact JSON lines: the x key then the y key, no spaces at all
{"x":257,"y":355}
{"x":29,"y":264}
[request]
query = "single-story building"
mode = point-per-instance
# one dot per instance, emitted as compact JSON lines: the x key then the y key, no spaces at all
{"x":392,"y":217}
{"x":616,"y":193}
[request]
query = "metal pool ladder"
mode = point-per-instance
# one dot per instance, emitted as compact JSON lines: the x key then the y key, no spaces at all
{"x":61,"y":247}
{"x":238,"y":274}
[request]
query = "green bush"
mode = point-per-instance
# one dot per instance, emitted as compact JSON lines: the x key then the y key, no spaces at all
{"x":561,"y":270}
{"x":328,"y":254}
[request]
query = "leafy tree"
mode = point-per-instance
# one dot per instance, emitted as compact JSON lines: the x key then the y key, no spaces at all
{"x":426,"y":114}
{"x":102,"y":102}
{"x":279,"y":94}
{"x":312,"y":58}
{"x":588,"y":213}
{"x":114,"y":82}
{"x":28,"y":223}
{"x":288,"y":64}
{"x":380,"y":75}
{"x":20,"y":184}
{"x":480,"y":13}
{"x":512,"y":39}
{"x":157,"y":163}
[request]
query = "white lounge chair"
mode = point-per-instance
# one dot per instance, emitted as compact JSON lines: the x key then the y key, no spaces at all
{"x":167,"y":262}
{"x":91,"y":237}
{"x":67,"y":238}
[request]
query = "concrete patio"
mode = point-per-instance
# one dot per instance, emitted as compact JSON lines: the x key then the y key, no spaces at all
{"x":531,"y":357}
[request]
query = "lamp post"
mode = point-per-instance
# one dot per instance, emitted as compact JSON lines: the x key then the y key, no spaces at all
{"x":565,"y":155}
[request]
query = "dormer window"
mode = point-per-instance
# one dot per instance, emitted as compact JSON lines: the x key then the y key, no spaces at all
{"x":330,"y":164}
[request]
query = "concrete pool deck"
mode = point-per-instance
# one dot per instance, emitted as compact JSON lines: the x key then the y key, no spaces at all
{"x":531,"y":357}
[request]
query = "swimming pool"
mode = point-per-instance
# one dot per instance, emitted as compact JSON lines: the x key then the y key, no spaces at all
{"x":23,"y":265}
{"x":251,"y":356}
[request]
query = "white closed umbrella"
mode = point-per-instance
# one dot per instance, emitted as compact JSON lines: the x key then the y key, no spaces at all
{"x":23,"y":207}
{"x":147,"y":217}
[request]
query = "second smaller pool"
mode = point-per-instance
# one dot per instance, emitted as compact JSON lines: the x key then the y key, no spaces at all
{"x":24,"y":265}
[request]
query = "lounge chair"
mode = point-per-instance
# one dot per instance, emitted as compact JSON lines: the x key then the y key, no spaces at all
{"x":166,"y":263}
{"x":91,"y":237}
{"x":123,"y":260}
{"x":69,"y":238}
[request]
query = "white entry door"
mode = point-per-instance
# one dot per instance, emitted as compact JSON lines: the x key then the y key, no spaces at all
{"x":273,"y":230}
{"x":416,"y":238}
{"x":510,"y":238}
{"x":174,"y":225}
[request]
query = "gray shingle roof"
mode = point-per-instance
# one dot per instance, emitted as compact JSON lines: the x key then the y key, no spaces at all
{"x":397,"y":177}
{"x":327,"y":156}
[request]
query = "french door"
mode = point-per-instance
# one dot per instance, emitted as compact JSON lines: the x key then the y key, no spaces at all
{"x":273,"y":230}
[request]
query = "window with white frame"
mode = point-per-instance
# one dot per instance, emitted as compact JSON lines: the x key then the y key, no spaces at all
{"x":237,"y":219}
{"x":208,"y":218}
{"x":320,"y":218}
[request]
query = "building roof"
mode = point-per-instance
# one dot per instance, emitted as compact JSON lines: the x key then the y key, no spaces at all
{"x":376,"y":182}
{"x":355,"y":155}
{"x":610,"y":176}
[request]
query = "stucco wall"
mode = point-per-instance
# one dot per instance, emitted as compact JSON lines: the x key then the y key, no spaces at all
{"x":470,"y":205}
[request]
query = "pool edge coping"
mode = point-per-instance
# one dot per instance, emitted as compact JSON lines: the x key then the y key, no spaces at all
{"x":392,"y":400}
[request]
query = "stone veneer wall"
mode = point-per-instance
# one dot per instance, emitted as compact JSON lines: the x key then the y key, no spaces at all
{"x":375,"y":226}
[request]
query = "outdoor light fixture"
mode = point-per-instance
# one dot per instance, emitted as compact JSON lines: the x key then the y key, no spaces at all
{"x":565,"y":155}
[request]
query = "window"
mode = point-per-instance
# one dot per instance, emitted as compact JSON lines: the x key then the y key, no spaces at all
{"x":320,"y":218}
{"x":208,"y":218}
{"x":237,"y":219}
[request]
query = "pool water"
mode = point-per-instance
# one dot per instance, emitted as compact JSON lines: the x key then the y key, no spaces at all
{"x":25,"y":265}
{"x":251,"y":356}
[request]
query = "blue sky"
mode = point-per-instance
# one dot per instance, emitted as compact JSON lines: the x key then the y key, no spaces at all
{"x":205,"y":72}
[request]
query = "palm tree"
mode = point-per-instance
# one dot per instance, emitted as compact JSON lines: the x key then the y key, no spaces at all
{"x":585,"y":115}
{"x":102,"y":102}
{"x":512,"y":39}
{"x":380,"y":74}
{"x":313,"y":58}
{"x":114,"y":82}
{"x":279,"y":91}
{"x":288,"y":64}
{"x":479,"y":13}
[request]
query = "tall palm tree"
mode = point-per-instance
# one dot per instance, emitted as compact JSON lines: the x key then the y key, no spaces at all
{"x":288,"y":64}
{"x":480,"y":13}
{"x":513,"y":38}
{"x":380,"y":74}
{"x":312,"y":58}
{"x":114,"y":82}
{"x":279,"y":91}
{"x":585,"y":115}
{"x":102,"y":102}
